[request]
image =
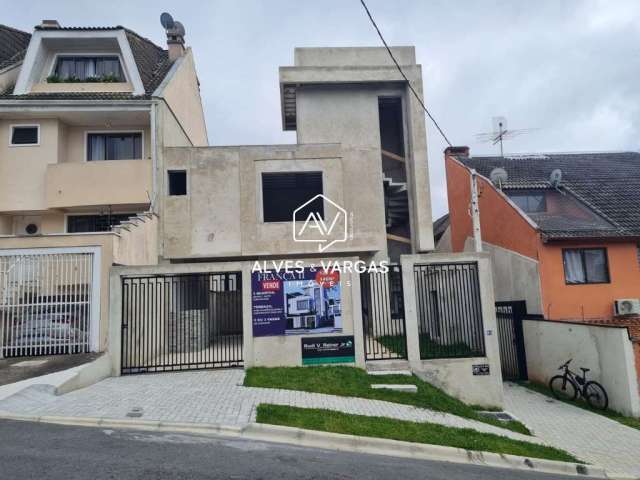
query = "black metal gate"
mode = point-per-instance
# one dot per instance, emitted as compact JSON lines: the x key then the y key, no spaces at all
{"x":513,"y":358}
{"x":383,"y":315}
{"x":181,"y":322}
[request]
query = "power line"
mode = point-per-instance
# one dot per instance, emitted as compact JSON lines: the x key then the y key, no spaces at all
{"x":424,"y":107}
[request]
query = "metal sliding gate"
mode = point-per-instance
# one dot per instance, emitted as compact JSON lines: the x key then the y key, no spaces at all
{"x":181,"y":322}
{"x":383,"y":315}
{"x":49,"y":301}
{"x":513,"y":359}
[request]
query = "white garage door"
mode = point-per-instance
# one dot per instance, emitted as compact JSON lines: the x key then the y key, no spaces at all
{"x":49,"y":301}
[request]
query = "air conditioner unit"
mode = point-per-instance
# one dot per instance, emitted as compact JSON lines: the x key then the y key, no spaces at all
{"x":627,"y":306}
{"x":28,"y":225}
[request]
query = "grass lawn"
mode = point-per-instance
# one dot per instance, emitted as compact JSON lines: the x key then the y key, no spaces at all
{"x":428,"y":348}
{"x":354,"y":382}
{"x":613,"y":415}
{"x":380,"y":427}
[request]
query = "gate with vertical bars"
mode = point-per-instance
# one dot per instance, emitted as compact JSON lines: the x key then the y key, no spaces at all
{"x":383,"y":315}
{"x":178,"y":322}
{"x":49,"y":301}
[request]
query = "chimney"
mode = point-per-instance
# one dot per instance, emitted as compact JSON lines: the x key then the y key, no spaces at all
{"x":461,"y":151}
{"x":175,"y":41}
{"x":49,"y":25}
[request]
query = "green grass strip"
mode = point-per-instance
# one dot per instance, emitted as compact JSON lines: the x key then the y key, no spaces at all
{"x":580,"y":403}
{"x":381,"y":427}
{"x":355,"y":382}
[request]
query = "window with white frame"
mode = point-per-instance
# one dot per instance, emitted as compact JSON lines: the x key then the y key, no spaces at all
{"x":87,"y":69}
{"x":114,"y":146}
{"x":25,"y":134}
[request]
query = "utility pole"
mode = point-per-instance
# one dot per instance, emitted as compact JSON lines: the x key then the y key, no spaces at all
{"x":475,"y":212}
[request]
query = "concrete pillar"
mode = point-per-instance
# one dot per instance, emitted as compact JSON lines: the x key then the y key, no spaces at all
{"x":410,"y":311}
{"x":356,"y":309}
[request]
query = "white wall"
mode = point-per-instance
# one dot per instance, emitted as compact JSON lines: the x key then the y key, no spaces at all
{"x":607,"y":351}
{"x":515,"y":277}
{"x":455,"y":376}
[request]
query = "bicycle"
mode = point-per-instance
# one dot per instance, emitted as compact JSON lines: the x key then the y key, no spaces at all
{"x":569,"y":386}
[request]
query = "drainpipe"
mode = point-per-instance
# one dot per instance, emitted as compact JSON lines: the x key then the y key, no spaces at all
{"x":475,"y":212}
{"x":154,"y":161}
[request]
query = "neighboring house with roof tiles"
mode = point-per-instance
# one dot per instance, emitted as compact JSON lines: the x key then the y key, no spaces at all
{"x":570,"y":250}
{"x":85,"y":113}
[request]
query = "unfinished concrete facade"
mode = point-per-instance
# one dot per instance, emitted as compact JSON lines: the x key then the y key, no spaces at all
{"x":357,"y":126}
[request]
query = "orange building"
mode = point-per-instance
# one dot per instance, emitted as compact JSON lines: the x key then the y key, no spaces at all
{"x":577,"y":238}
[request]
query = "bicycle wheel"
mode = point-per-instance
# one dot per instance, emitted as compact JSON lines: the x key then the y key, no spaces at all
{"x":563,"y":388}
{"x":596,"y":395}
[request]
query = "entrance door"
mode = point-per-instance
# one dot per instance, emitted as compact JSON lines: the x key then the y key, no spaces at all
{"x":513,"y":359}
{"x":383,"y":315}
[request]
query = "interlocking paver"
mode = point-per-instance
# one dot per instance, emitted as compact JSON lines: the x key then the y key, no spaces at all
{"x":589,"y":436}
{"x":212,"y":397}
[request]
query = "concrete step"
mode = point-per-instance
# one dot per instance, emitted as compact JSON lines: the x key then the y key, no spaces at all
{"x":380,"y":373}
{"x":396,"y":387}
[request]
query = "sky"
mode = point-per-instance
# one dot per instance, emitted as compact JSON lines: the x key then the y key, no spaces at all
{"x":568,"y":70}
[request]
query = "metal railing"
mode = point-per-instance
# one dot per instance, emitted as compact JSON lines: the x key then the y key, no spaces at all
{"x":181,"y":322}
{"x":450,"y":321}
{"x":383,"y":315}
{"x":46,"y":303}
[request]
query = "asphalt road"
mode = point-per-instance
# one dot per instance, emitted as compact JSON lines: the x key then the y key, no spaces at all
{"x":45,"y":451}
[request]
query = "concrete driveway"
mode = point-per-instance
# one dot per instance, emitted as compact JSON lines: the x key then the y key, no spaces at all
{"x":589,"y":436}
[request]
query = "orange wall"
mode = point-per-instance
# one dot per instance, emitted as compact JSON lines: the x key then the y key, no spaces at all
{"x":500,"y":223}
{"x":589,"y":302}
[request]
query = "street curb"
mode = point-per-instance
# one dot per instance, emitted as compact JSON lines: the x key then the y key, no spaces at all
{"x":333,"y":441}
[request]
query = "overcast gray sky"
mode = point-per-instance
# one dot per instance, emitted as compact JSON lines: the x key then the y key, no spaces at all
{"x":568,"y":68}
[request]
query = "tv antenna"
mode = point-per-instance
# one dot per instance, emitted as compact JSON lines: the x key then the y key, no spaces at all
{"x":501,"y":133}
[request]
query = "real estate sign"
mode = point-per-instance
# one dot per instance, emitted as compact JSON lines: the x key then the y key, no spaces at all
{"x":337,"y":349}
{"x":302,"y":301}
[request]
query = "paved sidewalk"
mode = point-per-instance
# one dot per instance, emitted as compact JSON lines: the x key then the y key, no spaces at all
{"x":210,"y":397}
{"x":589,"y":436}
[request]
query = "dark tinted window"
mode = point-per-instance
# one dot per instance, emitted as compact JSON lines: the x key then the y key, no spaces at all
{"x":529,"y":202}
{"x":585,"y":265}
{"x":89,"y":68}
{"x":95,"y":223}
{"x":114,"y":146}
{"x":282,"y":193}
{"x":24,"y":136}
{"x":177,"y":182}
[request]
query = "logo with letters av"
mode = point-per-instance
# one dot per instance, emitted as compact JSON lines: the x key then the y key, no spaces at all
{"x":311,"y":226}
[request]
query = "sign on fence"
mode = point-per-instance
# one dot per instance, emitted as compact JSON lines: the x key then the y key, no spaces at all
{"x":317,"y":350}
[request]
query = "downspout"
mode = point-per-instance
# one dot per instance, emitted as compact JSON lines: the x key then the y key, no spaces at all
{"x":154,"y":161}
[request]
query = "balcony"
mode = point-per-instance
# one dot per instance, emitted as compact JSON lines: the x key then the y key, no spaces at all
{"x":117,"y":182}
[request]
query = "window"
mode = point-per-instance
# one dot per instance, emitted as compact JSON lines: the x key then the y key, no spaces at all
{"x":25,"y":135}
{"x":585,"y":265}
{"x":302,"y":305}
{"x":114,"y":146}
{"x":391,"y":128}
{"x":92,"y":69}
{"x":95,"y":223}
{"x":282,"y":193}
{"x":529,"y":201}
{"x":177,"y":182}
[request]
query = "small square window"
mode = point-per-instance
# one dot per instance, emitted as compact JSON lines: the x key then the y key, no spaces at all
{"x":25,"y":135}
{"x":177,"y":182}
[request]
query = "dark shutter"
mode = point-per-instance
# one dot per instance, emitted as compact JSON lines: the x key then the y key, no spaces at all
{"x":24,"y":136}
{"x":283,"y":193}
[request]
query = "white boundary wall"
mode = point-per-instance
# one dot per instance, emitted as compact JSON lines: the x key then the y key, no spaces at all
{"x":606,"y":350}
{"x":455,"y":375}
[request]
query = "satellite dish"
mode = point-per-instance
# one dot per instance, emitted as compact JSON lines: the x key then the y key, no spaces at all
{"x":179,"y":28}
{"x":556,"y":178}
{"x":498,"y":176}
{"x":167,"y":21}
